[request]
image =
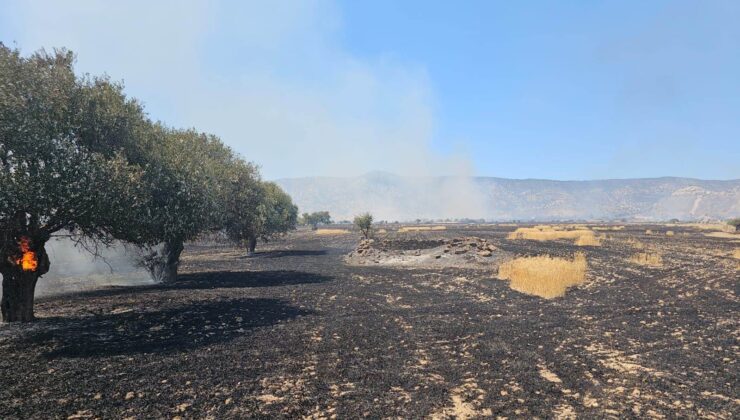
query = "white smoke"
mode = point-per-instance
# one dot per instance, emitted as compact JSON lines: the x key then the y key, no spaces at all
{"x":75,"y":269}
{"x":274,"y":81}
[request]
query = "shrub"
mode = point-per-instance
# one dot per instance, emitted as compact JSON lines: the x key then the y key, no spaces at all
{"x":365,"y":223}
{"x":734,"y":223}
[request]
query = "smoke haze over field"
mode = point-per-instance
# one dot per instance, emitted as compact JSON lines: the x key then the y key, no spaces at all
{"x":438,"y":93}
{"x":75,"y":269}
{"x":336,"y":88}
{"x":392,"y":197}
{"x":274,"y":82}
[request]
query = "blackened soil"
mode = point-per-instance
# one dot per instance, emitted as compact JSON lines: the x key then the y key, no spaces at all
{"x":294,"y":332}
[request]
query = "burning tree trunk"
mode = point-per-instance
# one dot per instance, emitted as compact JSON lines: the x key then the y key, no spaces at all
{"x":162,"y":263}
{"x":251,"y":245}
{"x":21,"y":268}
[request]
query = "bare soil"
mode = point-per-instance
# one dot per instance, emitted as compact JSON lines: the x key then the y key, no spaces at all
{"x":296,"y":332}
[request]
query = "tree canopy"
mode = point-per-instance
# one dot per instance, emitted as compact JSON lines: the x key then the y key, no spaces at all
{"x":78,"y":155}
{"x":364,"y":222}
{"x":259,"y":210}
{"x":316,"y":218}
{"x":61,"y":145}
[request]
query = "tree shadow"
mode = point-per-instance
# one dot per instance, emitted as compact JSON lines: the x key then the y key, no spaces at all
{"x":169,"y":330}
{"x":236,"y":279}
{"x":291,"y":253}
{"x":209,"y":280}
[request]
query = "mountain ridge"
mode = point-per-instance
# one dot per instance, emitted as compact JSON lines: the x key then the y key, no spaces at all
{"x":396,"y":197}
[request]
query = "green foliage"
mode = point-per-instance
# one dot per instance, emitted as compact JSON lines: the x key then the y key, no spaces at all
{"x":61,"y":150}
{"x":186,"y":175}
{"x":277,"y":213}
{"x":258,"y":210}
{"x":315,"y":219}
{"x":364,"y":222}
{"x":77,"y":155}
{"x":242,"y":200}
{"x":735,"y":222}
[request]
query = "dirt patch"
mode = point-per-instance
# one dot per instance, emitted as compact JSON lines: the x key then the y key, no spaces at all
{"x":465,"y":403}
{"x":648,"y":259}
{"x":460,"y":252}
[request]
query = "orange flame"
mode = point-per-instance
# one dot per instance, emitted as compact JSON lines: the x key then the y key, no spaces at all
{"x":28,"y":261}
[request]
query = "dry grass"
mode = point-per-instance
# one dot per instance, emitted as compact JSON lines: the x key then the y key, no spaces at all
{"x":544,"y":276}
{"x":405,"y":229}
{"x":648,"y":259}
{"x":670,"y":233}
{"x":723,"y":227}
{"x":608,"y":228}
{"x":725,"y":235}
{"x":589,"y":240}
{"x":330,"y":232}
{"x":736,"y":254}
{"x":635,"y":243}
{"x":548,"y":233}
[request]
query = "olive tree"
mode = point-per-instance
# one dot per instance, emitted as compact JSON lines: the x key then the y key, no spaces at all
{"x":266,"y":211}
{"x":315,"y":219}
{"x":186,"y":178}
{"x":364,"y":222}
{"x":276,"y":215}
{"x":61,"y":166}
{"x":245,"y":194}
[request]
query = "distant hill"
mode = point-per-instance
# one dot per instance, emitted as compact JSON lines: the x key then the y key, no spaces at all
{"x":392,"y":197}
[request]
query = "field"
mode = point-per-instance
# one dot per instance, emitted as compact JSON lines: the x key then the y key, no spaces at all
{"x":296,"y":332}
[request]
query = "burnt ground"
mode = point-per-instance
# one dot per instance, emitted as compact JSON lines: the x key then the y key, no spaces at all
{"x":294,"y":332}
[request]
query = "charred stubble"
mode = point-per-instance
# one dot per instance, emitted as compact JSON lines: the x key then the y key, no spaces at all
{"x":294,"y":332}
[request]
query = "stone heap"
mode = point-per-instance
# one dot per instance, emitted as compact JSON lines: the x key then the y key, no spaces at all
{"x":467,"y":245}
{"x":455,"y":252}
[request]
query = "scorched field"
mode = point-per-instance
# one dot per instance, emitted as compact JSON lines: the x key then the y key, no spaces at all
{"x":421,"y":329}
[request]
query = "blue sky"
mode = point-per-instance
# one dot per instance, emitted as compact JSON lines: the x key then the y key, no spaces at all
{"x":559,"y":90}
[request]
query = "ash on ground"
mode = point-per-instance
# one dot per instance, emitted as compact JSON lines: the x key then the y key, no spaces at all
{"x":461,"y":252}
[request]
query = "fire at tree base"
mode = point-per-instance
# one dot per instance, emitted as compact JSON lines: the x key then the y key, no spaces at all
{"x":20,"y":275}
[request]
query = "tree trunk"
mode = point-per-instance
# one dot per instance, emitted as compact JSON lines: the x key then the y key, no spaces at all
{"x":162,"y":263}
{"x":170,"y":261}
{"x":18,"y":291}
{"x":251,"y":245}
{"x":19,"y":286}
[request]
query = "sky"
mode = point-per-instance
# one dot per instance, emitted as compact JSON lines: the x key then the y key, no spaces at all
{"x":564,"y":90}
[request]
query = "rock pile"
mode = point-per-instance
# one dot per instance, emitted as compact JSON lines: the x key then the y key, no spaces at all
{"x":455,"y":252}
{"x":481,"y":247}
